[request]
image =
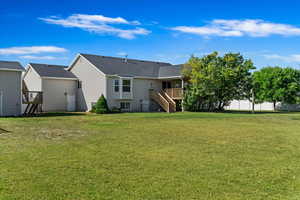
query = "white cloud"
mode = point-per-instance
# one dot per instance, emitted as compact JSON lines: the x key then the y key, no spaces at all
{"x":41,"y":57}
{"x":288,"y":58}
{"x":31,"y":50}
{"x":122,"y":53}
{"x":99,"y":24}
{"x":238,"y":28}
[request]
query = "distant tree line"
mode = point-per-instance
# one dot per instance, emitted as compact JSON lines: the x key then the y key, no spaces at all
{"x":213,"y":81}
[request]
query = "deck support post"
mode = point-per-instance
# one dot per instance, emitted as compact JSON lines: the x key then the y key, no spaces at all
{"x":182,"y":86}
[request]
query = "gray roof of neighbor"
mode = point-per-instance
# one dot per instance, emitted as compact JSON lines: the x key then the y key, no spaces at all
{"x":53,"y":71}
{"x":11,"y":65}
{"x":131,"y":67}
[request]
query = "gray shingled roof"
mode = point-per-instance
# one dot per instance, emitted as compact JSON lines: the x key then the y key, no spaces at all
{"x":53,"y":71}
{"x":118,"y":66}
{"x":170,"y":71}
{"x":10,"y":65}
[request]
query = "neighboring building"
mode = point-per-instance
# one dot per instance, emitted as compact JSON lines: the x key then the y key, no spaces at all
{"x":132,"y":85}
{"x":58,"y":86}
{"x":10,"y":88}
{"x":246,"y":105}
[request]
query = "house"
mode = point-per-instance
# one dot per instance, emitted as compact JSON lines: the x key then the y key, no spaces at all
{"x":57,"y":85}
{"x":128,"y":84}
{"x":10,"y":88}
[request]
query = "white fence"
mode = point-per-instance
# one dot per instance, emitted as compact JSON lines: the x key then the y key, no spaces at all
{"x":266,"y":106}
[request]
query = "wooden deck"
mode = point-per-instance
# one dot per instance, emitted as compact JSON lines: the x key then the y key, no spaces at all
{"x":175,"y":93}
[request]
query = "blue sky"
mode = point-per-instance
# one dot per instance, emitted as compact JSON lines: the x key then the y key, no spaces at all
{"x":54,"y":31}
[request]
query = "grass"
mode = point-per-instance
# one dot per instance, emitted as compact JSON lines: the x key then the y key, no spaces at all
{"x":150,"y":156}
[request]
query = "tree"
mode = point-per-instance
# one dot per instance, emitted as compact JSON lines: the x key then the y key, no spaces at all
{"x":275,"y":84}
{"x":101,"y":106}
{"x":291,"y":80}
{"x":214,"y":81}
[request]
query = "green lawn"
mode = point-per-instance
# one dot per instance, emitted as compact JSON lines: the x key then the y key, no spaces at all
{"x":151,"y":156}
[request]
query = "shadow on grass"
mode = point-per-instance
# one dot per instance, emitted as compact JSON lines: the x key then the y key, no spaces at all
{"x":4,"y":131}
{"x":163,"y":114}
{"x":57,"y":114}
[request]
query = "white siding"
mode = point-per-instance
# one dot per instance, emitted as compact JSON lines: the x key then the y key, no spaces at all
{"x":141,"y":89}
{"x":140,"y":93}
{"x":33,"y":80}
{"x":93,"y":84}
{"x":10,"y":86}
{"x":55,"y":93}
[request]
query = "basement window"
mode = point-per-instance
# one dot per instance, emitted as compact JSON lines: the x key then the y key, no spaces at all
{"x":125,"y":106}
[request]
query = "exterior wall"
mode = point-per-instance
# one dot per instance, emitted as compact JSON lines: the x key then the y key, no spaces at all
{"x":140,"y":94}
{"x":10,"y":87}
{"x":93,"y":84}
{"x":55,"y":93}
{"x":33,"y":81}
{"x":141,"y":89}
{"x":266,"y":106}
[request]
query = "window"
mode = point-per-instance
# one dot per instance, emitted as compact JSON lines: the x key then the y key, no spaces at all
{"x":79,"y":84}
{"x":126,"y":85}
{"x":125,"y":106}
{"x":116,"y":85}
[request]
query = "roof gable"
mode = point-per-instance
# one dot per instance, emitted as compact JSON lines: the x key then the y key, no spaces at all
{"x":52,"y":71}
{"x":122,"y":67}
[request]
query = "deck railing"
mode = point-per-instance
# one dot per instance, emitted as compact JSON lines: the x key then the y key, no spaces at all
{"x":156,"y":96}
{"x":172,"y":103}
{"x":32,"y":97}
{"x":175,"y":93}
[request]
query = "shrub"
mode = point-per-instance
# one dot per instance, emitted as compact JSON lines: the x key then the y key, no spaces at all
{"x":93,"y":109}
{"x":101,"y":106}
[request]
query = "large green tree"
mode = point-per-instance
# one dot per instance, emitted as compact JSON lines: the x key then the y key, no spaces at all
{"x":276,"y":84}
{"x":214,"y":81}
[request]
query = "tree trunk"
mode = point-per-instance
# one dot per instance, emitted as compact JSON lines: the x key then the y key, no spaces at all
{"x":274,"y":106}
{"x":253,"y":102}
{"x":220,"y":106}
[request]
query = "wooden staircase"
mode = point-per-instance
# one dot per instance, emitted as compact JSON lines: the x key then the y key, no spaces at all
{"x":164,"y":100}
{"x":32,"y":109}
{"x":33,"y":99}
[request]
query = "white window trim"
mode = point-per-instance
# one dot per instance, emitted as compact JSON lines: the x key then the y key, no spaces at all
{"x":121,"y":86}
{"x":130,"y":85}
